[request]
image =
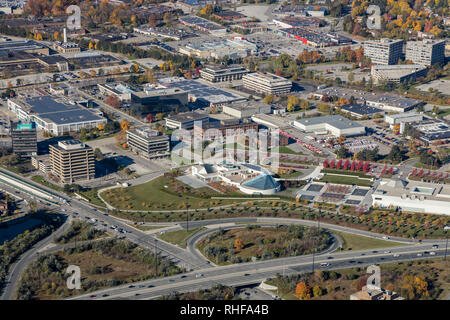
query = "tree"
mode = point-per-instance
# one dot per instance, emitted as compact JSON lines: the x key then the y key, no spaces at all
{"x":113,"y":101}
{"x":317,"y":292}
{"x":124,"y":125}
{"x":268,"y":99}
{"x":238,"y":244}
{"x":302,"y":291}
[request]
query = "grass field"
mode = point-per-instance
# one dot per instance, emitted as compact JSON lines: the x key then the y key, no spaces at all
{"x":41,"y":180}
{"x":355,"y":242}
{"x":179,"y":237}
{"x":345,"y":180}
{"x":162,"y":194}
{"x":287,"y":150}
{"x":92,"y":196}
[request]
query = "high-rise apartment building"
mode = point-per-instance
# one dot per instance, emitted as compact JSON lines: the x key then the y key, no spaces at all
{"x":426,"y":52}
{"x":384,"y":51}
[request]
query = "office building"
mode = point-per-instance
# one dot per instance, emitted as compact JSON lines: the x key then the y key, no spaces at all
{"x":266,"y":83}
{"x":223,"y":73}
{"x":384,"y":51}
{"x":24,"y":139}
{"x":158,"y":99}
{"x":71,"y":161}
{"x":148,"y":143}
{"x":407,"y":117}
{"x":119,"y":90}
{"x":426,"y":52}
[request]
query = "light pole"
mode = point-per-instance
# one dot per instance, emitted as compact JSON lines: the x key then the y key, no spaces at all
{"x":446,"y":242}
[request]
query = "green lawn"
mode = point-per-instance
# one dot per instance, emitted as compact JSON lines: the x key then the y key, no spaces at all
{"x":161,"y":194}
{"x":41,"y":180}
{"x":285,"y":149}
{"x":92,"y":196}
{"x":291,"y":175}
{"x":179,"y":237}
{"x":355,"y":242}
{"x":424,"y":166}
{"x":345,"y":180}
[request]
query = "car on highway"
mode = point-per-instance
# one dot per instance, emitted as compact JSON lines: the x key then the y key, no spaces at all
{"x":435,"y":246}
{"x":432,"y":253}
{"x":396,"y":255}
{"x":387,"y":251}
{"x":92,"y":296}
{"x":105,"y":295}
{"x":199,"y":275}
{"x":324,"y":264}
{"x":419,"y":254}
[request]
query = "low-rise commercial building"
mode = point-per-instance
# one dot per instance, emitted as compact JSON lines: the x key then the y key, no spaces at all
{"x":203,"y":25}
{"x":246,"y":109}
{"x":159,"y":99}
{"x":119,"y":90}
{"x":71,"y":161}
{"x":148,"y":143}
{"x":432,"y":130}
{"x":334,"y":124}
{"x":266,"y":83}
{"x":407,"y":117}
{"x":186,"y":120}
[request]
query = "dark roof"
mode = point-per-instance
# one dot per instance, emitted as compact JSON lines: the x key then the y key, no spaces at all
{"x":59,"y":112}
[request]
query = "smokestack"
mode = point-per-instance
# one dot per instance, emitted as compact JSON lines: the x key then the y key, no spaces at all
{"x":65,"y":35}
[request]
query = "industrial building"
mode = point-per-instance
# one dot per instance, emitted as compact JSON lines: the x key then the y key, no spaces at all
{"x":71,"y":161}
{"x":266,"y":83}
{"x":246,"y":109}
{"x":397,"y":73}
{"x":186,"y":120}
{"x":334,"y":124}
{"x":295,"y":22}
{"x":24,"y":139}
{"x":148,"y":143}
{"x":214,"y":73}
{"x":426,"y":52}
{"x":384,"y":51}
{"x":54,"y":115}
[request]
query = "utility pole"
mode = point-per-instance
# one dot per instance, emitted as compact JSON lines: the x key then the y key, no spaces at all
{"x":446,"y":242}
{"x":156,"y":258}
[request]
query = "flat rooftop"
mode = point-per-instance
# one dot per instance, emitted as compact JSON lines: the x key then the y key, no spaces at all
{"x":187,"y":116}
{"x":360,"y":109}
{"x":336,"y":121}
{"x":56,"y":110}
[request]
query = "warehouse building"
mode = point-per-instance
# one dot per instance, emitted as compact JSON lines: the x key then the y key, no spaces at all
{"x":407,"y":117}
{"x":56,"y":116}
{"x":148,"y":143}
{"x":266,"y":83}
{"x":71,"y":161}
{"x":203,"y":25}
{"x":334,"y":124}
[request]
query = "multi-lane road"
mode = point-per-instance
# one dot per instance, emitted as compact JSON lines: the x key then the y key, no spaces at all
{"x":201,"y":273}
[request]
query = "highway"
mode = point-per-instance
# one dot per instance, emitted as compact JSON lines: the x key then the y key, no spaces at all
{"x":203,"y":274}
{"x":256,"y":272}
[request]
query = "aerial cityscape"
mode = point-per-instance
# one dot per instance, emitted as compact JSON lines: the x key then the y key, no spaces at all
{"x":251,"y":150}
